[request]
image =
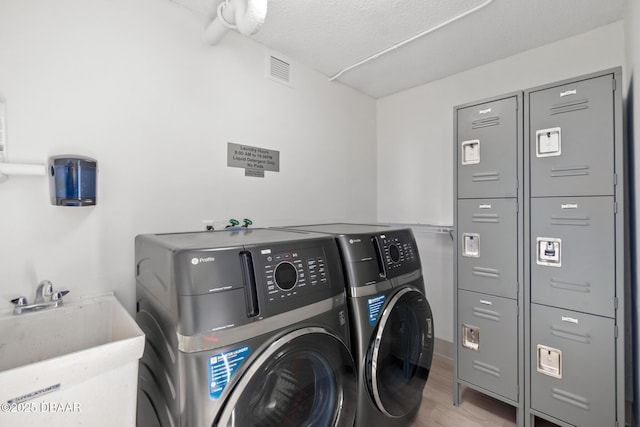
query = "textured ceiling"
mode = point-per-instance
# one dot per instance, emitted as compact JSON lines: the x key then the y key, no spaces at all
{"x":330,"y":35}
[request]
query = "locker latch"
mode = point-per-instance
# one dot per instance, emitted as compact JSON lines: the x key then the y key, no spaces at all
{"x":471,"y":337}
{"x":549,"y":361}
{"x":471,"y":152}
{"x":549,"y":251}
{"x":471,"y":245}
{"x":548,"y":142}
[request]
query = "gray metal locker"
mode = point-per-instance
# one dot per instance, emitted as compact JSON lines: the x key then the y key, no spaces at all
{"x":488,"y":343}
{"x":487,"y":149}
{"x":488,"y":246}
{"x":573,"y":253}
{"x":573,"y":376}
{"x":571,"y":138}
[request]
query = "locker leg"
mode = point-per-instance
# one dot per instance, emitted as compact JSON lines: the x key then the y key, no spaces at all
{"x":529,"y":420}
{"x":456,"y":393}
{"x":520,"y":416}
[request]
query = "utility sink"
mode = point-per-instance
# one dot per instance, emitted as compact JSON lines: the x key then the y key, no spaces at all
{"x":72,"y":365}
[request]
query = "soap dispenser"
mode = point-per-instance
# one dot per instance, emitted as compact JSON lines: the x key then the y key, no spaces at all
{"x":73,"y":180}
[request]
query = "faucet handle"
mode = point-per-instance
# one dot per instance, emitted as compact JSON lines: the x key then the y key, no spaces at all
{"x":58,"y":295}
{"x":20,"y":301}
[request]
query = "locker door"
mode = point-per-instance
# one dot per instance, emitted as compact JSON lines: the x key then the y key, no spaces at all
{"x":488,"y":347}
{"x":573,"y":366}
{"x":487,"y":149}
{"x":488,"y":255}
{"x":573,"y":253}
{"x":571,"y":139}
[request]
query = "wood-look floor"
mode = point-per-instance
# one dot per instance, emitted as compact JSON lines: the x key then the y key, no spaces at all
{"x":475,"y":410}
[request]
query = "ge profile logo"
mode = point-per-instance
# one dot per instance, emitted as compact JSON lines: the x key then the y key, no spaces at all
{"x":352,"y":241}
{"x":196,"y":261}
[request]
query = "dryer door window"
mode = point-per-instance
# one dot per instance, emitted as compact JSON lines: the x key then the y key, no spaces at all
{"x":399,"y":356}
{"x":306,"y":378}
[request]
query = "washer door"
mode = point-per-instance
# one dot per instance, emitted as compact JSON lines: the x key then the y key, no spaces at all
{"x":306,"y":378}
{"x":399,"y":356}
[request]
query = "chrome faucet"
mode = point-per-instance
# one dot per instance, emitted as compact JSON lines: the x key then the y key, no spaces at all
{"x":45,"y":298}
{"x":44,"y":290}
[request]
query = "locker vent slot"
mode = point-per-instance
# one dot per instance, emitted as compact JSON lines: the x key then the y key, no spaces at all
{"x":486,"y":368}
{"x":486,"y":314}
{"x":561,"y":332}
{"x":490,"y":273}
{"x":570,"y":398}
{"x":485,"y":176}
{"x":580,"y":286}
{"x":567,"y":107}
{"x":486,"y":122}
{"x":569,"y":171}
{"x":566,"y":220}
{"x":485,"y":218}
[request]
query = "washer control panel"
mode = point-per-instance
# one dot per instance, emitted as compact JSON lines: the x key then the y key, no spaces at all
{"x":292,"y":273}
{"x":397,"y":252}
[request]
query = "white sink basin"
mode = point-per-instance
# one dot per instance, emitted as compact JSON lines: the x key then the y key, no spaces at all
{"x":70,"y":365}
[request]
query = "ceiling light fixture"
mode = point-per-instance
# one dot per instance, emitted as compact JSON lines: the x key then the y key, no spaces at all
{"x":245,"y":16}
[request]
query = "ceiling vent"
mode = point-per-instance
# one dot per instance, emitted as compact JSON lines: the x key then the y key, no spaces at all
{"x":279,"y":70}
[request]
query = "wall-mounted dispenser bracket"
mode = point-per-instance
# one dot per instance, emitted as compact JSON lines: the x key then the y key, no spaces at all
{"x":7,"y":168}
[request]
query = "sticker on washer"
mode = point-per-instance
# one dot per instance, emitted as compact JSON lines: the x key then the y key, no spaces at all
{"x":222,"y":366}
{"x":375,"y":307}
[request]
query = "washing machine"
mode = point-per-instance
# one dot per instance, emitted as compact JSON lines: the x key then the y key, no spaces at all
{"x":243,"y":328}
{"x":390,"y":317}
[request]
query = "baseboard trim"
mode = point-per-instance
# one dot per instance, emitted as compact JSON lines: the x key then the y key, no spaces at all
{"x":443,"y":348}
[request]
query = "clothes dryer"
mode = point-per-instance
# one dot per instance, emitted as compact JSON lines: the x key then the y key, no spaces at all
{"x":243,"y":328}
{"x":391,"y":320}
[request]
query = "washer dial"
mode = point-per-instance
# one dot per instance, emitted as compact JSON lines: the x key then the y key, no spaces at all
{"x":286,"y":275}
{"x":394,"y":253}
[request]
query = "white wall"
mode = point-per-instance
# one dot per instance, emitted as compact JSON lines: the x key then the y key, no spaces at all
{"x":131,"y":84}
{"x":415,"y":136}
